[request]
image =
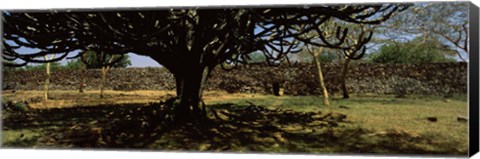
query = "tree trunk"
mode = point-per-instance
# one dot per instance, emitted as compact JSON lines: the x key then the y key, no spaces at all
{"x":104,"y":77}
{"x":82,"y":77}
{"x":320,"y":77}
{"x":189,"y":105}
{"x":344,"y":78}
{"x":47,"y":79}
{"x":47,"y":83}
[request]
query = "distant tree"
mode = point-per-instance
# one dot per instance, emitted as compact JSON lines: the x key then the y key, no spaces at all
{"x":446,"y":21}
{"x":73,"y":64}
{"x":42,"y":67}
{"x":104,"y":61}
{"x":414,"y":51}
{"x":328,"y":56}
{"x":7,"y":66}
{"x":256,"y":57}
{"x":94,"y":60}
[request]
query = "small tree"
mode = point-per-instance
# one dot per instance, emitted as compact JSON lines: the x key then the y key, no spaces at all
{"x":91,"y":59}
{"x":356,"y":38}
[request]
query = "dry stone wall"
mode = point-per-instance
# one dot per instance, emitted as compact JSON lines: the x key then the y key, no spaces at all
{"x":299,"y":79}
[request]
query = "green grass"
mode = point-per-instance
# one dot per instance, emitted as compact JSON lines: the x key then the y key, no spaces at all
{"x":20,"y":138}
{"x":385,"y":113}
{"x":374,"y":124}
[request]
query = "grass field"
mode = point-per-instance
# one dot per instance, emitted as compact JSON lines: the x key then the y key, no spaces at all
{"x":373,"y":124}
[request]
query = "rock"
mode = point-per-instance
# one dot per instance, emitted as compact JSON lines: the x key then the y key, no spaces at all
{"x":432,"y":119}
{"x":343,"y":107}
{"x":204,"y":147}
{"x":338,"y":117}
{"x":278,"y":136}
{"x":462,"y":119}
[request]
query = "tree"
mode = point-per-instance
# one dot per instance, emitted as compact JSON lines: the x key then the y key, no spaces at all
{"x":315,"y":56}
{"x":187,"y":42}
{"x":98,"y":60}
{"x":446,"y":21}
{"x":414,"y":52}
{"x":90,"y":59}
{"x":355,"y":38}
{"x":353,"y":42}
{"x":331,"y":37}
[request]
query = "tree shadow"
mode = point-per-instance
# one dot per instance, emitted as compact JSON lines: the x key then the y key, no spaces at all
{"x":229,"y":128}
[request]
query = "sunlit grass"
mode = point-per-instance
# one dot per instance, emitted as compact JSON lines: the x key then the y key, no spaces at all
{"x":376,"y":113}
{"x":380,"y":113}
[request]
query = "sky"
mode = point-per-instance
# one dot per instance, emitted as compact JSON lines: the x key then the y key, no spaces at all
{"x":142,"y":61}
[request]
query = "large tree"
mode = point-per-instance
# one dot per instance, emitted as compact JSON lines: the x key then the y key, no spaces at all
{"x":188,"y":42}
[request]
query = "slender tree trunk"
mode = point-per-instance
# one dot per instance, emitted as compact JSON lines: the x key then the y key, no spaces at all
{"x":47,"y":80}
{"x":104,"y":77}
{"x":82,"y":77}
{"x":47,"y":83}
{"x":344,"y":78}
{"x":320,"y":76}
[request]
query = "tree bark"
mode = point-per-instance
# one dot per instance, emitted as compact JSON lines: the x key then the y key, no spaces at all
{"x":104,"y":77}
{"x":47,"y":80}
{"x":320,"y":76}
{"x":344,"y":78}
{"x":47,"y":83}
{"x":190,"y":84}
{"x":82,"y":77}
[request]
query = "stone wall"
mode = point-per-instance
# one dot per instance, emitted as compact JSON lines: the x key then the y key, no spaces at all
{"x":299,"y":79}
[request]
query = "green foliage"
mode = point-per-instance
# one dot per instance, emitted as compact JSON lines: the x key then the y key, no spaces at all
{"x":97,"y":60}
{"x":257,"y":57}
{"x":328,"y":55}
{"x":417,"y":50}
{"x":42,"y":67}
{"x":73,"y":64}
{"x":8,"y":68}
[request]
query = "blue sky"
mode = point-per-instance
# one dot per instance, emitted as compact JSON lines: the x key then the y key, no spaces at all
{"x":142,"y":61}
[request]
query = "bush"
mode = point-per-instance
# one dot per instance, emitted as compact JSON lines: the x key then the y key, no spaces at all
{"x":14,"y":106}
{"x":412,"y":52}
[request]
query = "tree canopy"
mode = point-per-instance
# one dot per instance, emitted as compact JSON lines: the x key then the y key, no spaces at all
{"x":189,"y":42}
{"x":94,"y":60}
